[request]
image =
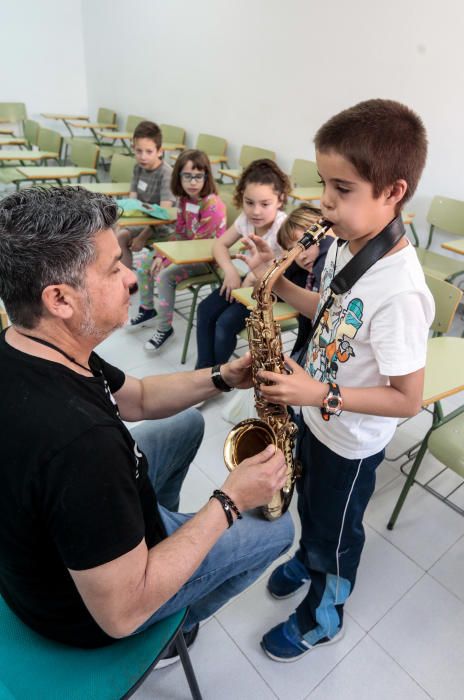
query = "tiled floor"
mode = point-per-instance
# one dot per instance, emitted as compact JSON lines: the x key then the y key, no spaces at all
{"x":405,"y":619}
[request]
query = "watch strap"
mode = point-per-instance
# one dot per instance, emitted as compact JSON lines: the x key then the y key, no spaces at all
{"x":217,"y":379}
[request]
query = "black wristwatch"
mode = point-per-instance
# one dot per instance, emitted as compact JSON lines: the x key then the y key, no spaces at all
{"x":217,"y":379}
{"x":333,"y":402}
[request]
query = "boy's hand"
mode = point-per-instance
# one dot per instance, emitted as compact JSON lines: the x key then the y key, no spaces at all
{"x":231,"y":281}
{"x":261,"y":254}
{"x":254,"y":482}
{"x":238,"y":372}
{"x":296,"y":389}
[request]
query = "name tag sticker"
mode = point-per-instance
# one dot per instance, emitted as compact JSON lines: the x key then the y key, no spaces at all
{"x":193,"y":208}
{"x":142,"y":185}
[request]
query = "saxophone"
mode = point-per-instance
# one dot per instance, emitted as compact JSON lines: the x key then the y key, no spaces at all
{"x":273,"y":425}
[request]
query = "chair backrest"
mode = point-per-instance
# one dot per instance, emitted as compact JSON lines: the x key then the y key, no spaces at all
{"x":211,"y":145}
{"x":447,"y":298}
{"x":31,"y":132}
{"x":304,"y":173}
{"x":106,"y":116}
{"x":447,"y":215}
{"x":250,"y":153}
{"x":132,"y":121}
{"x":172,"y":134}
{"x":32,"y":666}
{"x":13,"y":111}
{"x":121,"y":168}
{"x":84,"y":154}
{"x":231,"y":210}
{"x":49,"y":140}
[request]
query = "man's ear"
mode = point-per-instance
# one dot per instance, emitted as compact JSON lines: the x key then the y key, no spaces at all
{"x":59,"y":300}
{"x":395,"y":193}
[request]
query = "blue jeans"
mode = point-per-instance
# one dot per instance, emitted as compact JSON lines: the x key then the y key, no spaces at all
{"x":218,"y":322}
{"x":333,"y":494}
{"x":239,"y":557}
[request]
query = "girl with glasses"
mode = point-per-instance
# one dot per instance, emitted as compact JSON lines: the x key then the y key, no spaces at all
{"x":200,"y":214}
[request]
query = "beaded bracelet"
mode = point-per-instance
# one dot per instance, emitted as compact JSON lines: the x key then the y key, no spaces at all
{"x":228,"y":506}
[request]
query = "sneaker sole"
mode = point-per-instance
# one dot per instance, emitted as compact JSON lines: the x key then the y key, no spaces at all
{"x":146,"y":324}
{"x":287,"y":595}
{"x":151,"y":348}
{"x":338,"y":637}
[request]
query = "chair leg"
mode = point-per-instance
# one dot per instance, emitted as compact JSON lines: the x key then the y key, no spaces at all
{"x":187,"y":665}
{"x":193,"y":305}
{"x":409,"y":482}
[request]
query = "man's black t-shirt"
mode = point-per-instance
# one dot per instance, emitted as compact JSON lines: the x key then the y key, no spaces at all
{"x":74,"y":489}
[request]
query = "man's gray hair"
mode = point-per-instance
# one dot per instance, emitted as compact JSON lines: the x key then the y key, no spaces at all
{"x":47,"y":236}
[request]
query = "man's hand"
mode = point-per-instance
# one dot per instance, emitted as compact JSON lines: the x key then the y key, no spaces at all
{"x":237,"y":373}
{"x":254,"y":482}
{"x":261,"y":254}
{"x":296,"y":389}
{"x":231,"y":281}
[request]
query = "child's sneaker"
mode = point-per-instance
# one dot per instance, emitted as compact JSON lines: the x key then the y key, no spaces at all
{"x":158,"y":339}
{"x":144,"y":318}
{"x":286,"y":643}
{"x":287,"y":579}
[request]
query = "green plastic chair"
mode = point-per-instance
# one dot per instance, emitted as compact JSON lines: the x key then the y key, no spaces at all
{"x":173,"y":136}
{"x":13,"y":111}
{"x":445,"y":438}
{"x":247,"y":155}
{"x":47,"y":140}
{"x":107,"y":151}
{"x":447,"y":215}
{"x":215,"y":148}
{"x":122,"y":168}
{"x":85,"y":154}
{"x":306,"y":185}
{"x":31,"y":130}
{"x":35,"y":668}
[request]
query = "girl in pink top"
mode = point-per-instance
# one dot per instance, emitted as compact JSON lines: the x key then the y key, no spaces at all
{"x":200,"y":214}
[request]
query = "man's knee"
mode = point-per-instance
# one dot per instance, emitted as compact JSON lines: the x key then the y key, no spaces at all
{"x":191,"y":425}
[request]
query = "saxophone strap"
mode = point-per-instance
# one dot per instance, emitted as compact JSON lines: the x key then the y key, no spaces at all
{"x":344,"y":280}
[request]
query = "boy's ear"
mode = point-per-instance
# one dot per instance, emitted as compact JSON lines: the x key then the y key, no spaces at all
{"x":395,"y":193}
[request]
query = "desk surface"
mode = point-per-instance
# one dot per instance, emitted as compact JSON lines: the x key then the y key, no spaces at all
{"x":281,"y":311}
{"x":194,"y":251}
{"x":167,"y":146}
{"x":456,"y":246}
{"x":233,"y":174}
{"x":92,"y":125}
{"x":18,"y":154}
{"x":130,"y":221}
{"x":444,"y":372}
{"x":11,"y":141}
{"x":53,"y":173}
{"x":114,"y":189}
{"x":60,"y":116}
{"x":4,"y":130}
{"x":114,"y":134}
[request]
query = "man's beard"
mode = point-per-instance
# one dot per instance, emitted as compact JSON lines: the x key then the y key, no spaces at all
{"x":88,"y":327}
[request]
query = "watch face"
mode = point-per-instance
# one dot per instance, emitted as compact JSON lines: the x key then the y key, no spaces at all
{"x":333,"y":402}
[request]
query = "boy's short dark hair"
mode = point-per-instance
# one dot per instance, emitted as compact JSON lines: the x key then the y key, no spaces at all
{"x":200,"y":161}
{"x":149,"y":130}
{"x":384,"y":140}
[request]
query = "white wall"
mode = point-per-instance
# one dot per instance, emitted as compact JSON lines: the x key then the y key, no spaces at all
{"x":42,"y":56}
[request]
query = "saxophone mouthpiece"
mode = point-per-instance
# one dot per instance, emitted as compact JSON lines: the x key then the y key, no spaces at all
{"x":315,"y":233}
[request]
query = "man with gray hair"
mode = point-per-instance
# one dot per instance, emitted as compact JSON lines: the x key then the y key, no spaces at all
{"x":92,"y":547}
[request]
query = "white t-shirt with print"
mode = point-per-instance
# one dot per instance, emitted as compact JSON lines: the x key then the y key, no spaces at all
{"x":377,"y":330}
{"x":245,"y":228}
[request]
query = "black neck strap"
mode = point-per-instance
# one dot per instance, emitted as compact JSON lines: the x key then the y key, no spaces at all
{"x":54,"y":347}
{"x":374,"y":249}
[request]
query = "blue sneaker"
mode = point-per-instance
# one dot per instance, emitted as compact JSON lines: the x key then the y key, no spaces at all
{"x":144,"y":318}
{"x":287,"y":579}
{"x":286,"y":643}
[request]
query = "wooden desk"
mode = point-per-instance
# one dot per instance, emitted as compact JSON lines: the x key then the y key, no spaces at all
{"x":113,"y":189}
{"x":456,"y":246}
{"x":124,"y":136}
{"x":233,"y":174}
{"x":131,"y":221}
{"x":281,"y":310}
{"x":194,"y":251}
{"x":62,"y":117}
{"x":54,"y":173}
{"x":8,"y":131}
{"x":92,"y":125}
{"x":444,"y":370}
{"x":24,"y":155}
{"x":11,"y":141}
{"x":173,"y":146}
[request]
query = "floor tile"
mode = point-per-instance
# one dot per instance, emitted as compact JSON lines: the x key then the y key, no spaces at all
{"x":424,"y":634}
{"x":365,"y":673}
{"x":449,"y":569}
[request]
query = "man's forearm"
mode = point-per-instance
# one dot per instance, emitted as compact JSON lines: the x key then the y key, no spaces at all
{"x":167,"y":394}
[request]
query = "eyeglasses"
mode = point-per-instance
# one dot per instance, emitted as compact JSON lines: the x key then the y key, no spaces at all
{"x":188,"y":177}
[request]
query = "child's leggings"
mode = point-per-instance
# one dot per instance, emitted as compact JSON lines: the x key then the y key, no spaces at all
{"x":167,"y":281}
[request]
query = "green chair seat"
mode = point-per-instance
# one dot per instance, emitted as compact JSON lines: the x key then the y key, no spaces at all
{"x":35,"y":668}
{"x":439,"y":265}
{"x":447,"y":444}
